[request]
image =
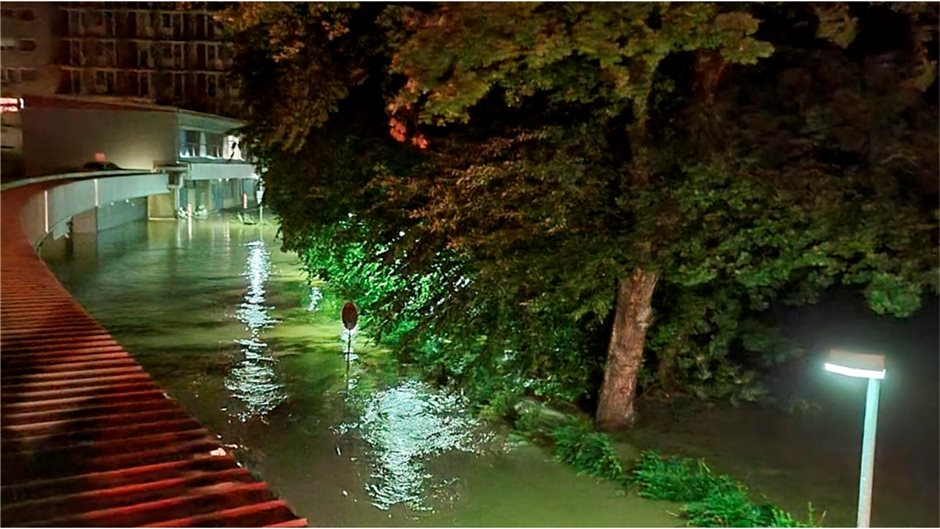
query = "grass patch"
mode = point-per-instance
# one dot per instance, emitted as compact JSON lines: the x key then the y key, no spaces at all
{"x":588,"y":451}
{"x":710,"y":500}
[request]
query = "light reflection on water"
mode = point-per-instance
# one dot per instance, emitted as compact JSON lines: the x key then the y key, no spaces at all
{"x":253,"y":381}
{"x":315,"y":296}
{"x":186,"y":309}
{"x":405,"y":426}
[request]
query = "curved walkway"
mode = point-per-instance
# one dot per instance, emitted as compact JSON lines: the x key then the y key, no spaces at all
{"x":88,"y":439}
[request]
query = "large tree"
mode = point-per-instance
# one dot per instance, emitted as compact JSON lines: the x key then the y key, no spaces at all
{"x":533,"y":173}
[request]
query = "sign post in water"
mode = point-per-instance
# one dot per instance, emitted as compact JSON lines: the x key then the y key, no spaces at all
{"x":350,"y":319}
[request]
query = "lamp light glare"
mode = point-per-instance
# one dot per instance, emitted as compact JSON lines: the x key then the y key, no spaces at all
{"x":854,"y":371}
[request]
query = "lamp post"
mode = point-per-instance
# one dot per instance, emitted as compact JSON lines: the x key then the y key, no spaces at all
{"x":872,"y":367}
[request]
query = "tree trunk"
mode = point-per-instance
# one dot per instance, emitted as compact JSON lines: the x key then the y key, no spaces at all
{"x":632,"y":317}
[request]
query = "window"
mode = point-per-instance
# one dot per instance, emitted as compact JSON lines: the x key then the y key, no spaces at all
{"x":27,"y":15}
{"x":6,"y":13}
{"x":75,"y":23}
{"x":214,"y":143}
{"x":8,"y":44}
{"x":27,"y":45}
{"x":211,"y":54}
{"x":167,"y":21}
{"x":178,"y":27}
{"x":179,"y":88}
{"x":178,"y":56}
{"x":28,"y":74}
{"x":9,"y":75}
{"x":106,"y":52}
{"x":107,"y":19}
{"x":212,"y":86}
{"x":189,"y":143}
{"x":143,"y":84}
{"x":76,"y":53}
{"x":105,"y":81}
{"x":143,"y":55}
{"x":75,"y":81}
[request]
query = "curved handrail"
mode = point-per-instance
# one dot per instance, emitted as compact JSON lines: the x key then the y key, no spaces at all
{"x":78,"y":175}
{"x":70,"y":391}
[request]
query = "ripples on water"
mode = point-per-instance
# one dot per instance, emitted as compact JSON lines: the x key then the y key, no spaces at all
{"x":253,"y":381}
{"x":405,"y":426}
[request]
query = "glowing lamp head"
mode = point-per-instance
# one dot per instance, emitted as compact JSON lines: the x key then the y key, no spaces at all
{"x":856,"y":364}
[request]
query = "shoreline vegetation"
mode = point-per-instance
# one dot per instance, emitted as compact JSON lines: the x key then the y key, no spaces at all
{"x":706,"y":498}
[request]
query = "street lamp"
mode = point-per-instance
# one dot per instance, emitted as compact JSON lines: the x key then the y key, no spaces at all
{"x":872,"y":367}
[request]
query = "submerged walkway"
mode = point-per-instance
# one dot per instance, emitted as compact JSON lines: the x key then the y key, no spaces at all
{"x":88,"y":439}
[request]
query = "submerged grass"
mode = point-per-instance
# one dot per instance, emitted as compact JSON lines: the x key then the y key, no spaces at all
{"x":710,"y":500}
{"x":588,"y":451}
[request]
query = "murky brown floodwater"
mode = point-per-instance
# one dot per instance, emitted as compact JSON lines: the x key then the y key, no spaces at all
{"x":224,"y":321}
{"x":814,"y":456}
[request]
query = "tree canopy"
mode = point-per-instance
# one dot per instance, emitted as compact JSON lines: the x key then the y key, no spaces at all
{"x":510,"y":188}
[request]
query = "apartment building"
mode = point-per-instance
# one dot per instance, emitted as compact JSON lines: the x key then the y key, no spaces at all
{"x":146,"y":50}
{"x":29,"y":47}
{"x":165,"y":53}
{"x":27,"y":64}
{"x":170,"y":54}
{"x":198,"y":151}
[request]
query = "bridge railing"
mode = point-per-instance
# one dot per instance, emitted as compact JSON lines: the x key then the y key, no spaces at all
{"x":49,"y":210}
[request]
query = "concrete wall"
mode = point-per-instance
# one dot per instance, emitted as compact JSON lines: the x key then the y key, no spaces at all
{"x":161,"y":206}
{"x":121,"y":212}
{"x":221,"y":169}
{"x":50,"y":211}
{"x":58,"y":140}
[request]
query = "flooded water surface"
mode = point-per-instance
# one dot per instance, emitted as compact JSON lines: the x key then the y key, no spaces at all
{"x":225,"y":322}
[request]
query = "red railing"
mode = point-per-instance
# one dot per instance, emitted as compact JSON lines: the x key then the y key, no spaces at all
{"x":88,"y":439}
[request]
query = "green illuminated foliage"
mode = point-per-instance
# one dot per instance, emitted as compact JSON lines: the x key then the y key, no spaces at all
{"x":480,"y":177}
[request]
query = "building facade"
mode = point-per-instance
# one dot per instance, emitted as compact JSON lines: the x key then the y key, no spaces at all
{"x":206,"y":167}
{"x":165,"y":53}
{"x":29,"y":36}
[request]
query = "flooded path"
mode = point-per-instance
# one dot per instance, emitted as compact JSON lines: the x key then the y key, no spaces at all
{"x":798,"y":456}
{"x":223,"y":320}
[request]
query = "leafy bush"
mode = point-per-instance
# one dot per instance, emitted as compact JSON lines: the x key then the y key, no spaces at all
{"x":733,"y":509}
{"x":676,"y":479}
{"x":588,"y":451}
{"x":710,"y":500}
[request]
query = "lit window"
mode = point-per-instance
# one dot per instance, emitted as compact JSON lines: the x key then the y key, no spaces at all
{"x":214,"y":145}
{"x":8,"y":44}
